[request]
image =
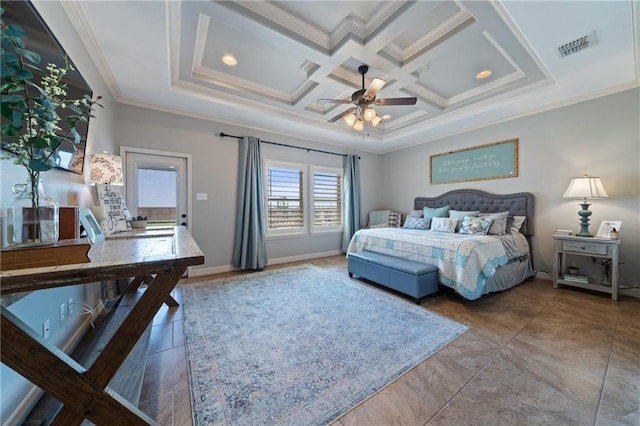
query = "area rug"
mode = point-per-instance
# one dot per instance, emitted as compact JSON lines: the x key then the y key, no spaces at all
{"x":298,"y":345}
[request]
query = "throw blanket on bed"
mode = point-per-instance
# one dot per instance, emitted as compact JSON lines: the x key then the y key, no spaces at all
{"x":464,"y":261}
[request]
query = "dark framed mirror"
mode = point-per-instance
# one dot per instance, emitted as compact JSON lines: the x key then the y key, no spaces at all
{"x":41,"y":40}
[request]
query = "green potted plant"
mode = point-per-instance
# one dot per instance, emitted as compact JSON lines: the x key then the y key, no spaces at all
{"x":32,"y":100}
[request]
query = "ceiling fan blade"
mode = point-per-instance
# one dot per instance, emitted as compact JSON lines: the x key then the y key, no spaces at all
{"x":396,"y":101}
{"x":373,"y":89}
{"x":336,"y":101}
{"x":339,"y":116}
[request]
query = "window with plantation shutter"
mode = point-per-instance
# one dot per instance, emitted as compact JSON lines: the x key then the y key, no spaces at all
{"x":327,"y":199}
{"x":285,"y":199}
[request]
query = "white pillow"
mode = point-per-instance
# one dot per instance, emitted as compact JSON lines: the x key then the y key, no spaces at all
{"x":514,"y":224}
{"x":444,"y":224}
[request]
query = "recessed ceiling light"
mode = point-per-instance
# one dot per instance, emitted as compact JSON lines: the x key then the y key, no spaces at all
{"x":386,"y":116}
{"x":229,"y":60}
{"x":483,"y":74}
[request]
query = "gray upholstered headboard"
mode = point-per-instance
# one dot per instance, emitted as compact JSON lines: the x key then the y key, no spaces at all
{"x":519,"y":204}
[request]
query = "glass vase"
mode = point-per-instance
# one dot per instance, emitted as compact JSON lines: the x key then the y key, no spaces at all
{"x":32,"y":217}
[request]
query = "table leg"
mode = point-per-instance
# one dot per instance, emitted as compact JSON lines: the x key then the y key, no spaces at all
{"x":60,"y":376}
{"x":147,"y":279}
{"x":116,"y":351}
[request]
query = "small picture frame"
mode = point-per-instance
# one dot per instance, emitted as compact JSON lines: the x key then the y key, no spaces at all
{"x":90,"y":225}
{"x":607,"y":227}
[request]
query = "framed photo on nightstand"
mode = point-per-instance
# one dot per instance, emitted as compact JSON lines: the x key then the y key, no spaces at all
{"x":607,"y":227}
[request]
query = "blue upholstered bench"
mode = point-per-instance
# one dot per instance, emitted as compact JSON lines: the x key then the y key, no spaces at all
{"x":414,"y":279}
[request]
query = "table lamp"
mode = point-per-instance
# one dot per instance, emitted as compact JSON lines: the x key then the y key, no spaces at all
{"x":105,"y":168}
{"x":585,"y":187}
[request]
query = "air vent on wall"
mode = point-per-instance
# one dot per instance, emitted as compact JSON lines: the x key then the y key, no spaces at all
{"x":577,"y":45}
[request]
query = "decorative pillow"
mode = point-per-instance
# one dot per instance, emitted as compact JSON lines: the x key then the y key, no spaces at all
{"x":415,"y":213}
{"x":417,"y":223}
{"x":515,"y":223}
{"x":395,"y":219}
{"x":379,"y":225}
{"x":499,"y":224}
{"x":429,"y":212}
{"x":475,"y":225}
{"x":444,"y":224}
{"x":460,"y":215}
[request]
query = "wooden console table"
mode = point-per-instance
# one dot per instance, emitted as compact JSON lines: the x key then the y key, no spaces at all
{"x":83,"y":390}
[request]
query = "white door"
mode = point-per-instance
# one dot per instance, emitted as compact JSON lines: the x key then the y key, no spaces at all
{"x":157,"y":185}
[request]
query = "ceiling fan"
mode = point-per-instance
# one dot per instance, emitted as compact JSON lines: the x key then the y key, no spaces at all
{"x":363,"y":100}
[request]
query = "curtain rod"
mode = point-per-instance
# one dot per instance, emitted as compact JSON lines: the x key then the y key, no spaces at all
{"x":224,"y":135}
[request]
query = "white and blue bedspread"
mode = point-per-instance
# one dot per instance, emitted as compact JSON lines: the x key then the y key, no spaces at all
{"x":464,"y":262}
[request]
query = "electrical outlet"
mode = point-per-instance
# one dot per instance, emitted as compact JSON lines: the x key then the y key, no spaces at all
{"x":70,"y":306}
{"x":62,"y":312}
{"x":46,"y":329}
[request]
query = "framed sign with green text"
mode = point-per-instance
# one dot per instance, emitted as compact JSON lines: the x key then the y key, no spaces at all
{"x":491,"y":161}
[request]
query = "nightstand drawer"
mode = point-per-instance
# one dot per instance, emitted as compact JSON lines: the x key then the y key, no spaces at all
{"x":585,"y":247}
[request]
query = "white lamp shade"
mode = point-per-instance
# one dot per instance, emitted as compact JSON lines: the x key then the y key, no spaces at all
{"x":105,"y":168}
{"x":376,"y":120}
{"x":369,"y":114}
{"x":585,"y":187}
{"x":350,"y":119}
{"x":359,"y":125}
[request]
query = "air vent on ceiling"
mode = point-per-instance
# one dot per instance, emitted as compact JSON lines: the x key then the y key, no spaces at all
{"x":577,"y":45}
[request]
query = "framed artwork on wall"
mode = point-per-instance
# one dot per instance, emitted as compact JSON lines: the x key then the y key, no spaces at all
{"x":491,"y":161}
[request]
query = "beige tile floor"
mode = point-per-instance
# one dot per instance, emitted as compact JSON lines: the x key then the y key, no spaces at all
{"x":532,"y":355}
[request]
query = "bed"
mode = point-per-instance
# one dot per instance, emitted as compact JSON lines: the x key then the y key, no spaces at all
{"x":472,"y":265}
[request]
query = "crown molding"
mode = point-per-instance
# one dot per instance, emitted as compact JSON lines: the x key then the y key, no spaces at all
{"x":74,"y":12}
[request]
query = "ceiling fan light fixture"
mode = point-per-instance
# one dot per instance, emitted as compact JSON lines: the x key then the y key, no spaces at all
{"x":369,"y":114}
{"x":359,"y":125}
{"x":376,"y":120}
{"x":350,"y":119}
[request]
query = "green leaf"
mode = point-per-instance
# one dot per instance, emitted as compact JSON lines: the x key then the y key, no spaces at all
{"x":17,"y":118}
{"x":54,"y":143}
{"x":14,"y":31}
{"x":74,"y":109}
{"x":12,"y":98}
{"x":9,"y":130}
{"x":29,"y":55}
{"x":7,"y":71}
{"x":38,"y":142}
{"x":24,"y":75}
{"x":9,"y":58}
{"x":39,"y":165}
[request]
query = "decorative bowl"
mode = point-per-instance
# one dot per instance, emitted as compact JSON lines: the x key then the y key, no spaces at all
{"x":138,"y":224}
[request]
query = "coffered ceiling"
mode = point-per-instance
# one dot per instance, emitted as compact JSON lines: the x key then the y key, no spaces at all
{"x":290,"y":54}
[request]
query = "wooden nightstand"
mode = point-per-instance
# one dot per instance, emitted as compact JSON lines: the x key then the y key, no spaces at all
{"x":584,"y":246}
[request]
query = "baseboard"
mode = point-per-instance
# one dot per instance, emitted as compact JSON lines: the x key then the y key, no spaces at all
{"x":633,"y":292}
{"x":199,"y":272}
{"x":34,"y":394}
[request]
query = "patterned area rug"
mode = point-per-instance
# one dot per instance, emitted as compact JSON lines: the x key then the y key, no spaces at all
{"x":299,"y":345}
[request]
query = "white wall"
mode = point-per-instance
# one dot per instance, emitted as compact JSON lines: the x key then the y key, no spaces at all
{"x":69,"y":190}
{"x":215,"y":168}
{"x":600,"y":137}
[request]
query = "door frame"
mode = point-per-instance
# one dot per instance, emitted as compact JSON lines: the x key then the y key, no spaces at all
{"x":124,"y":150}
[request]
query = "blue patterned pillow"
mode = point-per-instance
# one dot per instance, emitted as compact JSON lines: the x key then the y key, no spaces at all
{"x":475,"y":225}
{"x":417,"y":223}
